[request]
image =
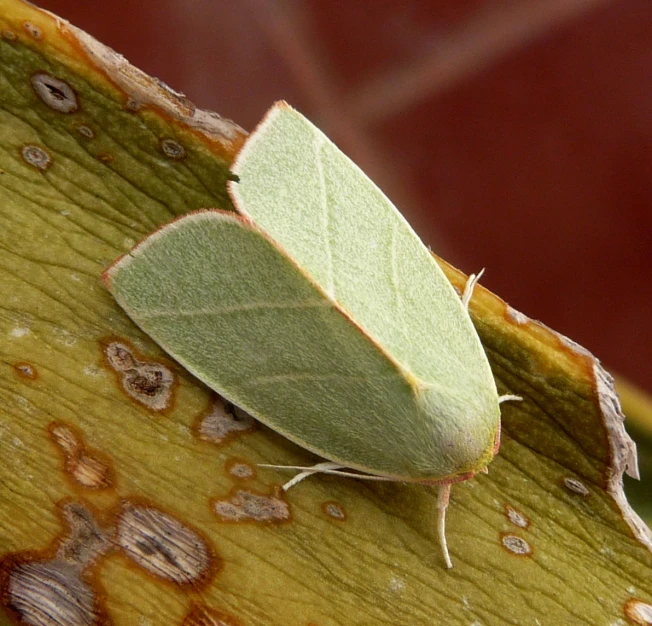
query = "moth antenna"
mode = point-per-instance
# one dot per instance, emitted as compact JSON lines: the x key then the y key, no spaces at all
{"x":471,"y":282}
{"x":508,"y":397}
{"x":443,"y":497}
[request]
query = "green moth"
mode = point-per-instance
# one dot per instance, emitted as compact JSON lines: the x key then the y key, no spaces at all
{"x":317,"y":309}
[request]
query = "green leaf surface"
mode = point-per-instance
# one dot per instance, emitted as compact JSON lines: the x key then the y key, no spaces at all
{"x":125,"y":481}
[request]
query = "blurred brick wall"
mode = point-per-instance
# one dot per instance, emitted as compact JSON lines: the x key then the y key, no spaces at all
{"x":515,"y":135}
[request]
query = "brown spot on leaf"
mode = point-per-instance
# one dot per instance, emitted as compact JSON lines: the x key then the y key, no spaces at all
{"x":151,"y":383}
{"x":222,"y":422}
{"x":55,"y":93}
{"x":200,"y":615}
{"x":165,"y":546}
{"x":92,"y":473}
{"x":576,"y":486}
{"x":172,"y":149}
{"x":241,"y":505}
{"x":85,"y":540}
{"x":120,"y":356}
{"x":334,"y":510}
{"x":239,"y":469}
{"x":25,"y":370}
{"x":638,"y":612}
{"x":55,"y":586}
{"x":85,"y":131}
{"x":147,"y":382}
{"x":106,"y":157}
{"x":132,"y":105}
{"x":85,"y":466}
{"x":32,"y":30}
{"x":8,"y":35}
{"x":50,"y":593}
{"x":39,"y":158}
{"x":516,"y":517}
{"x":515,"y":544}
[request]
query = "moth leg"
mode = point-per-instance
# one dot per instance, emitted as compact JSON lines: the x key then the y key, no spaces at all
{"x":307,"y":471}
{"x":508,"y":397}
{"x":471,"y":282}
{"x":443,"y":497}
{"x":327,"y":467}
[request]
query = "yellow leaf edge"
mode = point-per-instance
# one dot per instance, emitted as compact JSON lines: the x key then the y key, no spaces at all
{"x":84,"y":54}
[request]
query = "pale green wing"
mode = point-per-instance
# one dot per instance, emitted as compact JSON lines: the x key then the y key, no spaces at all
{"x":301,"y":190}
{"x":218,"y":295}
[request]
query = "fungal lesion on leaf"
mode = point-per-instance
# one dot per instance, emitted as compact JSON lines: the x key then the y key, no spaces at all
{"x":242,"y":505}
{"x":86,"y":467}
{"x":106,"y":157}
{"x":238,"y":469}
{"x":55,"y":93}
{"x":147,"y":382}
{"x":516,"y":517}
{"x":25,"y":370}
{"x":57,"y":585}
{"x":515,"y":545}
{"x":334,"y":510}
{"x":172,"y":149}
{"x":85,"y":131}
{"x":36,"y":156}
{"x":638,"y":612}
{"x":150,"y":382}
{"x":164,"y":545}
{"x":33,"y":30}
{"x":222,"y":422}
{"x":576,"y":486}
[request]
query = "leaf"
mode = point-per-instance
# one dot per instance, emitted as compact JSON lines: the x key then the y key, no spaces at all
{"x":125,"y":482}
{"x":637,"y":407}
